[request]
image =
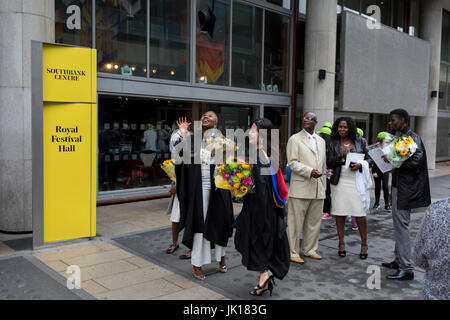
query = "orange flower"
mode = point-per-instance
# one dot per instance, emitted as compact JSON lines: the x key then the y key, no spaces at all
{"x":239,"y":175}
{"x":236,"y":185}
{"x":244,"y":189}
{"x":406,"y":143}
{"x":404,"y":152}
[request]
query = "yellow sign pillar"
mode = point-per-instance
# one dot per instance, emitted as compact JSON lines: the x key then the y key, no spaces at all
{"x":69,"y":83}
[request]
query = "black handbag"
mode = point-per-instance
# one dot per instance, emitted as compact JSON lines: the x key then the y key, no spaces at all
{"x":334,"y":179}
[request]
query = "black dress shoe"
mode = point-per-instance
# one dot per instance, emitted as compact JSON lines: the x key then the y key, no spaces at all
{"x":401,"y":275}
{"x":390,"y":265}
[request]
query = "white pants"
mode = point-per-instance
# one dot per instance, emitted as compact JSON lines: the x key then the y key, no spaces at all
{"x":201,"y":249}
{"x":175,"y":214}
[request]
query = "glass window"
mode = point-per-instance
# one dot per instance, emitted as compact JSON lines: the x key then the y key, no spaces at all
{"x":247,"y":46}
{"x":443,"y":84}
{"x":445,"y":46}
{"x":121,"y":37}
{"x":134,"y":139}
{"x":230,"y":116}
{"x":447,"y":93}
{"x":300,"y":56}
{"x":280,"y":120}
{"x":212,"y":53}
{"x":302,"y":6}
{"x":283,"y":3}
{"x":169,"y":39}
{"x":398,"y":15}
{"x":276,"y":53}
{"x":134,"y":135}
{"x":73,"y":22}
{"x":414,"y":18}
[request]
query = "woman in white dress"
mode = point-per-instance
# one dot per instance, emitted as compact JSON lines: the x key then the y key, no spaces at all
{"x":344,"y":195}
{"x":206,"y":212}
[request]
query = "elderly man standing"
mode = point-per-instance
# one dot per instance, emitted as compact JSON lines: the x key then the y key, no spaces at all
{"x":306,"y":156}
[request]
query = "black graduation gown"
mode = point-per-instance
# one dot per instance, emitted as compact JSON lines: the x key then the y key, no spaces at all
{"x":217,"y":227}
{"x":261,"y":230}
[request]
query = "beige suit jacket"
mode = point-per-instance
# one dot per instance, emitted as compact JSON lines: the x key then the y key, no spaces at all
{"x":302,"y":159}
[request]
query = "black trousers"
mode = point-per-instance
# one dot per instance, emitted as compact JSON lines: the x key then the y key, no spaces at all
{"x":327,"y":202}
{"x":383,"y":178}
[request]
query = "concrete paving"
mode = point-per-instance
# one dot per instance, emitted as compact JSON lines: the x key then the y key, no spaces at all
{"x":128,"y":261}
{"x":330,"y":278}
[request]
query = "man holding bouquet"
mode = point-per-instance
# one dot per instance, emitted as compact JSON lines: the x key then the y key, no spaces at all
{"x":410,"y":189}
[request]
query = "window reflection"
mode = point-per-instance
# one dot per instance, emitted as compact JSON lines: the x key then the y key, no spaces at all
{"x":280,"y":120}
{"x":445,"y":43}
{"x":134,"y":136}
{"x":283,"y":3}
{"x":121,"y":37}
{"x":73,"y":22}
{"x":212,"y":54}
{"x":300,"y":56}
{"x":169,"y":39}
{"x":443,"y":84}
{"x":247,"y":46}
{"x":276,"y":53}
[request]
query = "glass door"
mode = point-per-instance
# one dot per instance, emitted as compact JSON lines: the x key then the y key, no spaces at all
{"x":280,"y":120}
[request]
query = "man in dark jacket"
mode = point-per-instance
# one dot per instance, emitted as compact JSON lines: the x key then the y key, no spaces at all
{"x":410,"y":189}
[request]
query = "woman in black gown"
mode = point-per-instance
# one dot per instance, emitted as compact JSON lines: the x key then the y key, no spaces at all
{"x":260,"y":228}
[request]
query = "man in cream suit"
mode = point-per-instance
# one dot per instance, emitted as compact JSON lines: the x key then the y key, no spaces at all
{"x":306,"y":156}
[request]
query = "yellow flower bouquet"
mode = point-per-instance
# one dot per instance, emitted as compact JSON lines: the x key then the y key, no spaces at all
{"x":169,"y":168}
{"x":234,"y":176}
{"x":399,"y":149}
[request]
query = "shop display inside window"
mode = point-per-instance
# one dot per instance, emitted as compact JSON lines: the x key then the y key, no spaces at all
{"x":134,"y":136}
{"x":121,"y":37}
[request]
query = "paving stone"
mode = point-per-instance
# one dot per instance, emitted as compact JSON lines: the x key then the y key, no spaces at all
{"x":133,"y":277}
{"x":97,"y":258}
{"x":93,"y":287}
{"x":334,"y":277}
{"x":66,"y":253}
{"x":22,"y":280}
{"x":106,"y":269}
{"x":142,"y":291}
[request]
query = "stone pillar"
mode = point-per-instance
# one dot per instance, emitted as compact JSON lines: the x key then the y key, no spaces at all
{"x":320,"y":53}
{"x":431,"y":30}
{"x":20,"y":22}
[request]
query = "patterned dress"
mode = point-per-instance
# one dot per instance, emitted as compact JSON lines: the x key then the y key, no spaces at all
{"x":432,"y":250}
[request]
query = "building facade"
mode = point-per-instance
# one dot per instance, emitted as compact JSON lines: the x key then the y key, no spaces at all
{"x":271,"y":58}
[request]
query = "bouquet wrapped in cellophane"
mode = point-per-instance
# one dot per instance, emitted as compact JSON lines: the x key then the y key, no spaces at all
{"x":220,"y":147}
{"x":169,"y":168}
{"x":398,"y":149}
{"x":235,"y":176}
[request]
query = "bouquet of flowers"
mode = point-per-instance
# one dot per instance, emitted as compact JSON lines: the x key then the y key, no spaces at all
{"x":169,"y":168}
{"x":234,"y":176}
{"x":219,"y":143}
{"x":329,"y":173}
{"x":398,"y":149}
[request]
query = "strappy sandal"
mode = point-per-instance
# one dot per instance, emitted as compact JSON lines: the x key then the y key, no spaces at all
{"x":185,"y":256}
{"x":201,"y":277}
{"x":267,"y":286}
{"x":364,"y":256}
{"x":342,"y":253}
{"x":222,"y":269}
{"x":172,"y":248}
